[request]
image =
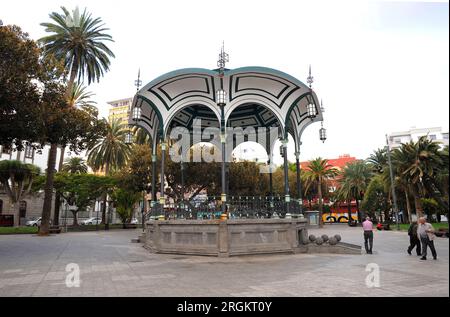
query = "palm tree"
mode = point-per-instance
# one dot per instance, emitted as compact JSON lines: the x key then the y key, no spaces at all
{"x":75,"y":165}
{"x":353,"y":182}
{"x":141,"y":136}
{"x":78,"y":41}
{"x":16,"y":178}
{"x":378,"y":160}
{"x":317,"y":174}
{"x":80,"y":97}
{"x":110,"y":153}
{"x":418,"y":163}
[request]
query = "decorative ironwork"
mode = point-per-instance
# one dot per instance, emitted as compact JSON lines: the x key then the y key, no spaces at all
{"x":223,"y":59}
{"x":238,"y":207}
{"x":138,"y":81}
{"x":310,"y":78}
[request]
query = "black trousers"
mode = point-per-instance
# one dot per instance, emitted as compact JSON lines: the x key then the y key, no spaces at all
{"x":414,"y":242}
{"x":426,"y":242}
{"x":368,"y":240}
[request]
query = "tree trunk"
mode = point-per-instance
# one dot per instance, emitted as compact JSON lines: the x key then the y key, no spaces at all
{"x":57,"y":205}
{"x":105,"y":198}
{"x":75,"y":218}
{"x":418,"y":204}
{"x":358,"y":212}
{"x":48,"y":191}
{"x":15,"y":207}
{"x":319,"y":191}
{"x":408,"y":206}
{"x":349,"y":210}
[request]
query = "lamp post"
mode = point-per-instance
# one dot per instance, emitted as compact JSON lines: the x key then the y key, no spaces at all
{"x":287,"y":197}
{"x":162,"y":198}
{"x":391,"y":174}
{"x":221,"y":102}
{"x":299,"y":181}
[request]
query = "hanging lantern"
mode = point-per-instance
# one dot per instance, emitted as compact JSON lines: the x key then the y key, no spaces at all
{"x":128,"y":138}
{"x":221,"y":97}
{"x":137,"y":112}
{"x":311,"y":110}
{"x":322,"y":133}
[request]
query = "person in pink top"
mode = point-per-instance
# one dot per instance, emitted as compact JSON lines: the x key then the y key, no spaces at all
{"x":368,"y":235}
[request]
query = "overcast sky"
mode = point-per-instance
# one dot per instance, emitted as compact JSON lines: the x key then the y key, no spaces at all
{"x":378,"y":66}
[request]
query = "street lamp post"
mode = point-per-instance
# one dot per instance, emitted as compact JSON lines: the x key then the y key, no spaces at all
{"x":391,"y":174}
{"x":221,"y":102}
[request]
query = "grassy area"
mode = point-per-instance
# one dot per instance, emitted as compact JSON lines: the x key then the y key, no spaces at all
{"x":34,"y":230}
{"x":405,"y":226}
{"x":18,"y":230}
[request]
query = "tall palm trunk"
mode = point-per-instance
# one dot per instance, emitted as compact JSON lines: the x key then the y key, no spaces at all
{"x":358,"y":212}
{"x":418,"y":204}
{"x":48,"y":191}
{"x":417,"y":201}
{"x":408,"y":205}
{"x":105,"y":199}
{"x":319,"y":191}
{"x":349,"y":210}
{"x":73,"y":74}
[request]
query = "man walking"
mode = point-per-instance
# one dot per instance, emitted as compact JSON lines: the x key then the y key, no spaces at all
{"x":414,"y":241}
{"x":425,"y":232}
{"x":368,"y":235}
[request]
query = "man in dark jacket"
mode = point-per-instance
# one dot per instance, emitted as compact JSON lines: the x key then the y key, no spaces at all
{"x":414,"y":241}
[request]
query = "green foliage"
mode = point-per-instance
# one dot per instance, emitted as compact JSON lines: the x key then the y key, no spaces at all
{"x":375,"y":196}
{"x":20,"y":73}
{"x":110,"y":151}
{"x":124,"y":201}
{"x":79,"y":41}
{"x":17,"y":178}
{"x":75,"y":165}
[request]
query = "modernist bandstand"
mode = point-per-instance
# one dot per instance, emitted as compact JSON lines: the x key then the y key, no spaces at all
{"x":222,"y":98}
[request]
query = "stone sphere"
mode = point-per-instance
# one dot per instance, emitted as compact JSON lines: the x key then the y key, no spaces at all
{"x":338,"y":237}
{"x":319,"y":240}
{"x":312,"y":238}
{"x":332,"y":241}
{"x":324,"y":238}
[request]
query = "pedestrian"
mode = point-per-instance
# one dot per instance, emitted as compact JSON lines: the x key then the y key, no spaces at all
{"x":414,"y":241}
{"x":368,"y":235}
{"x":425,"y":232}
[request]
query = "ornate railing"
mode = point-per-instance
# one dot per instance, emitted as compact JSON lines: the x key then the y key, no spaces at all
{"x":236,"y":207}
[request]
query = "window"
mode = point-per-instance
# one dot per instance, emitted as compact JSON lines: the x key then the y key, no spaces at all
{"x":445,"y":136}
{"x":397,"y":140}
{"x":432,"y":137}
{"x":6,"y":149}
{"x":29,"y":151}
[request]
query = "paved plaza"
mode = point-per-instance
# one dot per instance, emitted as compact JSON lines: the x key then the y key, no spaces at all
{"x":110,"y":265}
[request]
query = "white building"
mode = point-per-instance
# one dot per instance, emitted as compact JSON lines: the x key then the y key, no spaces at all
{"x":413,"y":134}
{"x":31,"y":205}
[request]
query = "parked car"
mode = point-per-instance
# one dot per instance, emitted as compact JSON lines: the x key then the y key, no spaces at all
{"x":35,"y":222}
{"x":91,"y":221}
